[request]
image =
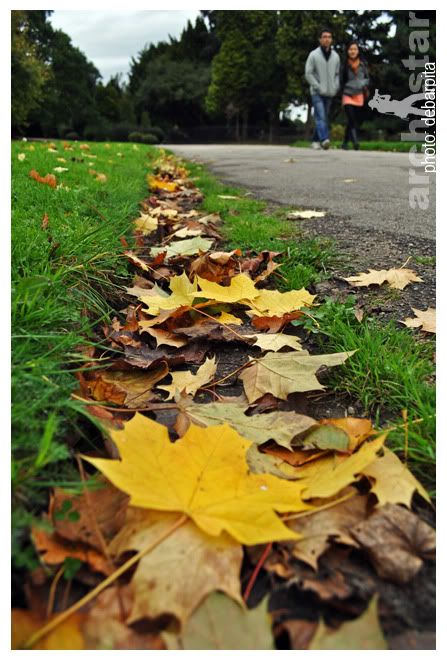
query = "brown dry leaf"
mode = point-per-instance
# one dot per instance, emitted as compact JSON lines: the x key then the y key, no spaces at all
{"x":281,"y":426}
{"x":145,"y":357}
{"x":129,"y":388}
{"x":296,"y":457}
{"x":45,"y":222}
{"x":104,"y":628}
{"x":397,"y":278}
{"x":335,"y":523}
{"x":393,"y":481}
{"x":215,"y":266}
{"x":396,"y":541}
{"x":178,"y":574}
{"x":185,"y":382}
{"x":425,"y":320}
{"x":48,"y":179}
{"x":136,"y":261}
{"x":273,"y":323}
{"x":163,"y":337}
{"x":283,"y":373}
{"x":362,"y":634}
{"x":300,"y":632}
{"x":54,"y":550}
{"x":66,"y":636}
{"x":103,"y":509}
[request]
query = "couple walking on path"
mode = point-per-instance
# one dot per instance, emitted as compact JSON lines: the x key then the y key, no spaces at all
{"x":325,"y":78}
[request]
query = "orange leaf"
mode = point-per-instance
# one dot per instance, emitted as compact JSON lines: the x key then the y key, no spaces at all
{"x":48,"y":179}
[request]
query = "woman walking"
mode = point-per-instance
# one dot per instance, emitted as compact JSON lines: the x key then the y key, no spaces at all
{"x":354,"y":85}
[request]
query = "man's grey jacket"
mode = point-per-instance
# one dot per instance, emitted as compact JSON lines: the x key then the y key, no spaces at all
{"x":323,"y":75}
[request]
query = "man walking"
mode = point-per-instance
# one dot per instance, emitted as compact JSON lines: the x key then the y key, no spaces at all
{"x":322,"y":72}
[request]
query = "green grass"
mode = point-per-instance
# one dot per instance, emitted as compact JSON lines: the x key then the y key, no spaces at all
{"x":367,"y":145}
{"x":62,"y":280}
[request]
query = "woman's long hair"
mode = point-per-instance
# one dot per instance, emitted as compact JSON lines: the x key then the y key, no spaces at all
{"x":344,"y":75}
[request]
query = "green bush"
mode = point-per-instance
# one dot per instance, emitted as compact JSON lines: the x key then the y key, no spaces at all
{"x":149,"y":138}
{"x":135,"y":136}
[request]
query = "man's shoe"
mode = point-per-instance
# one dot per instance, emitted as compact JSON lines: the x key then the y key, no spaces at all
{"x":316,"y":145}
{"x":345,"y":146}
{"x":326,"y":144}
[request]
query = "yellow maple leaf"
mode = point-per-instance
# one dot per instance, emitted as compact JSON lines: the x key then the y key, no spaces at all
{"x":425,"y":320}
{"x":183,"y":292}
{"x":275,"y":303}
{"x":203,"y":475}
{"x":241,"y":287}
{"x":146,"y":224}
{"x":228,"y":319}
{"x":189,"y":383}
{"x":156,"y":183}
{"x":397,"y":278}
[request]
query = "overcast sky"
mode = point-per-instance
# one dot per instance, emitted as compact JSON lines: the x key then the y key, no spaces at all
{"x":110,"y":38}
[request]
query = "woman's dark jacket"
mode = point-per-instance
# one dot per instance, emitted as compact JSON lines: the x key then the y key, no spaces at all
{"x":354,"y":82}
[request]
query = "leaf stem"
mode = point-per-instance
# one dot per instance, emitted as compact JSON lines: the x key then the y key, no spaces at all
{"x":51,"y":625}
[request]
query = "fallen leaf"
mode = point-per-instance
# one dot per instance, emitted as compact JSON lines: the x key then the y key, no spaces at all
{"x":396,"y":541}
{"x":54,"y":550}
{"x":185,"y":382}
{"x":163,"y":337}
{"x":221,"y":624}
{"x":156,"y":183}
{"x":281,"y":426}
{"x":146,"y":224}
{"x":393,"y":481}
{"x":275,"y":303}
{"x":48,"y":179}
{"x":45,"y":222}
{"x":104,"y":627}
{"x":331,"y":474}
{"x":300,"y":632}
{"x":425,"y":320}
{"x":129,"y":388}
{"x":241,"y":287}
{"x":357,"y":429}
{"x":283,"y":373}
{"x":65,"y":637}
{"x":319,"y":527}
{"x":272,"y":323}
{"x":397,"y":278}
{"x":177,"y":575}
{"x":183,"y":293}
{"x":327,"y":437}
{"x":304,"y":215}
{"x":103,"y":509}
{"x":275,"y":342}
{"x":228,"y":197}
{"x":60,"y":169}
{"x":228,"y":319}
{"x":21,"y":156}
{"x":187,"y":247}
{"x":362,"y":634}
{"x":204,"y":475}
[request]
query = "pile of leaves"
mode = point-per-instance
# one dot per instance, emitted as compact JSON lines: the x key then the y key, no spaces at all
{"x":218,"y":515}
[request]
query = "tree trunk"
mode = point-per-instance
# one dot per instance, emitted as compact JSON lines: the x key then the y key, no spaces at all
{"x":237,"y":128}
{"x":244,"y":125}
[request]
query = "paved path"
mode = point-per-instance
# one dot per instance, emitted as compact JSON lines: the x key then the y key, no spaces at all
{"x":368,"y":188}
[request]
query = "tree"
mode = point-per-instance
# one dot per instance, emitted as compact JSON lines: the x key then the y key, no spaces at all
{"x":29,"y":72}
